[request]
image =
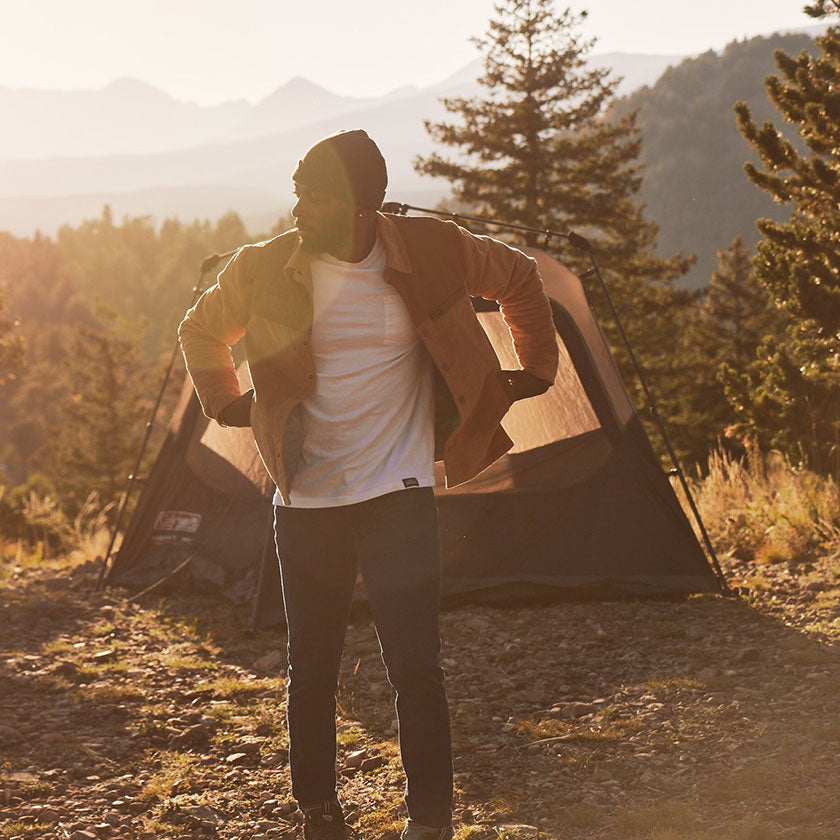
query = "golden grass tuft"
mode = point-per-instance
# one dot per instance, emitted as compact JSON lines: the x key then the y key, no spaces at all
{"x":14,"y":829}
{"x":176,"y":767}
{"x":349,"y":737}
{"x":762,"y":507}
{"x":236,"y":688}
{"x":672,"y":685}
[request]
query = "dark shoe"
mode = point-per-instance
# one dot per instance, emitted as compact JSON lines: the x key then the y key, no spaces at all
{"x":413,"y":831}
{"x":326,"y":822}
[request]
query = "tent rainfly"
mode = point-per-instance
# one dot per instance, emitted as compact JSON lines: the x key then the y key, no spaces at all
{"x":579,"y":508}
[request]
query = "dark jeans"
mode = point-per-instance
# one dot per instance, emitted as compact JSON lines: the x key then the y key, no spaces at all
{"x":395,"y":542}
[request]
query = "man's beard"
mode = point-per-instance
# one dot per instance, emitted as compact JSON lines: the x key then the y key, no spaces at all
{"x":329,"y":238}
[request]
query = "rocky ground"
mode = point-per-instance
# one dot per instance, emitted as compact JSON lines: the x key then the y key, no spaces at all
{"x":694,"y":719}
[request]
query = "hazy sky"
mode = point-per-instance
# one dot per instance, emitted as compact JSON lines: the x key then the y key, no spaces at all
{"x":211,"y":50}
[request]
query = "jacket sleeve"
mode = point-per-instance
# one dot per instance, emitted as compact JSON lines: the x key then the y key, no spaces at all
{"x":209,"y":330}
{"x":496,"y":271}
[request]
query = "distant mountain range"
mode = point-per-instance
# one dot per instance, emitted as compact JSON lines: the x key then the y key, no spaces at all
{"x":130,"y":117}
{"x":64,"y":154}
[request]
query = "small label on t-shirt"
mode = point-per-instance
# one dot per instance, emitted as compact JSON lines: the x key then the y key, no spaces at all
{"x":411,"y":482}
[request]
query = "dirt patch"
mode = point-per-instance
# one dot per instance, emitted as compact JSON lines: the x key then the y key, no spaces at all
{"x":698,"y":718}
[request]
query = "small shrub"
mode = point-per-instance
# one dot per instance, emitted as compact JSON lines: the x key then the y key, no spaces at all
{"x":28,"y":515}
{"x":761,"y":507}
{"x":91,"y":529}
{"x":32,"y":513}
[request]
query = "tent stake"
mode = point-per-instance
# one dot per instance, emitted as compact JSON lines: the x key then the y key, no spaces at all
{"x":133,"y":476}
{"x":579,"y":243}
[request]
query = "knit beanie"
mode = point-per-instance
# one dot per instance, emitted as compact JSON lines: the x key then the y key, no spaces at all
{"x":347,"y":164}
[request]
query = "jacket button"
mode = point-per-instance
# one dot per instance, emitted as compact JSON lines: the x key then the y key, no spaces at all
{"x":462,"y":399}
{"x":310,"y":376}
{"x":424,"y":332}
{"x":305,"y":343}
{"x":444,"y":366}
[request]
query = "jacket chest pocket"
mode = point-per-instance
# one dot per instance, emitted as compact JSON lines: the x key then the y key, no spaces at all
{"x":461,"y":350}
{"x":286,"y":303}
{"x":270,"y":338}
{"x":276,"y":356}
{"x":447,"y":303}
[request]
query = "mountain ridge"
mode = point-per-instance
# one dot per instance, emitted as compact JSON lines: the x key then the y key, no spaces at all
{"x":252,"y":176}
{"x":131,"y":116}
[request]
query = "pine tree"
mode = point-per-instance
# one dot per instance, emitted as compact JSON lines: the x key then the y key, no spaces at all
{"x":109,"y":386}
{"x":790,"y":398}
{"x":142,"y":270}
{"x":535,"y":149}
{"x":738,"y":311}
{"x":11,"y":357}
{"x":823,"y":8}
{"x":11,"y":347}
{"x":720,"y":343}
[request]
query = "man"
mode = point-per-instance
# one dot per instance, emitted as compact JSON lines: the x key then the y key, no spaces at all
{"x":368,"y":364}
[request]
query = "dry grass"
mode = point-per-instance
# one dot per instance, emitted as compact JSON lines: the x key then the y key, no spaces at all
{"x":176,"y":769}
{"x":53,"y":541}
{"x":16,"y":557}
{"x":672,"y":685}
{"x":763,"y":508}
{"x":14,"y":829}
{"x":91,"y":531}
{"x":235,"y":688}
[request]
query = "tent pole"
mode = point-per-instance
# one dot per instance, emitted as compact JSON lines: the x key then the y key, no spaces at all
{"x":133,"y":476}
{"x":581,"y":244}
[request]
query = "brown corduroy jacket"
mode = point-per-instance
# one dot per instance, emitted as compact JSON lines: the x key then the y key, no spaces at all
{"x":264,"y":295}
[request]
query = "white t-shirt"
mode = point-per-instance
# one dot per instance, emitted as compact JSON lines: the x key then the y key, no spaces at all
{"x":368,"y":427}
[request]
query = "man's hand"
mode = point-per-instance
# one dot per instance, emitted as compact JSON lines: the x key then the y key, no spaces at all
{"x":520,"y":384}
{"x":238,"y":412}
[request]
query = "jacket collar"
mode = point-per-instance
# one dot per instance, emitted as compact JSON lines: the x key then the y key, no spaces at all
{"x":396,"y":256}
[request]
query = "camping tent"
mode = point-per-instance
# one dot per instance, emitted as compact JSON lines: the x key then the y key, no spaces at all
{"x":578,"y":508}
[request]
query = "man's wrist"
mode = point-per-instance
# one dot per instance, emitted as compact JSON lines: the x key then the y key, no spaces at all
{"x":522,"y":384}
{"x":237,"y":412}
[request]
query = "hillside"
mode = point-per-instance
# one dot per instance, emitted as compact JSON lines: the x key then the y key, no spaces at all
{"x":695,"y":187}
